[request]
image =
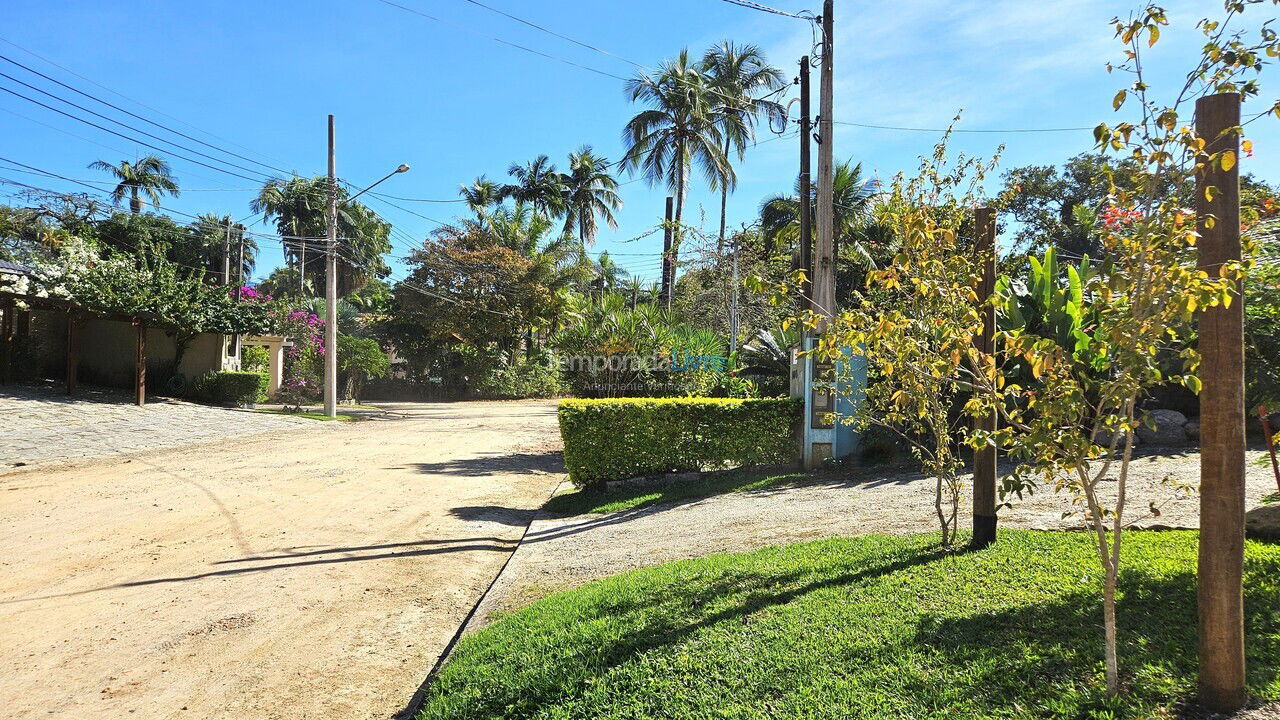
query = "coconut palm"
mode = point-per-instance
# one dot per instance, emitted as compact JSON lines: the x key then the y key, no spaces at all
{"x":590,"y":192}
{"x":480,"y":196}
{"x":150,"y":176}
{"x":679,"y":130}
{"x":539,"y":185}
{"x":852,"y":195}
{"x":738,"y":73}
{"x":609,"y":275}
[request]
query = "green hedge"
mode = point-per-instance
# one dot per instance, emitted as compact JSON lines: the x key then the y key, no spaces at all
{"x":618,"y":439}
{"x":231,"y":388}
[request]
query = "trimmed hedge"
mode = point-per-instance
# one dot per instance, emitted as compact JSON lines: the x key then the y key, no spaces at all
{"x":623,"y":438}
{"x":231,"y":388}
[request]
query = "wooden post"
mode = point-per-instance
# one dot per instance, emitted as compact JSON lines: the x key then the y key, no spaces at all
{"x":140,"y":363}
{"x":984,"y":460}
{"x":1222,"y":420}
{"x":824,"y":280}
{"x":73,"y":355}
{"x":1271,"y":443}
{"x":8,"y":328}
{"x":806,"y":192}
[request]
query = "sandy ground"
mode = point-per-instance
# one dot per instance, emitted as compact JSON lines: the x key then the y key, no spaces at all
{"x":303,"y":574}
{"x":560,"y":553}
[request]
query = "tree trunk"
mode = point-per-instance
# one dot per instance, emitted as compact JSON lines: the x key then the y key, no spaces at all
{"x":676,"y":233}
{"x":1109,"y":629}
{"x":135,"y":202}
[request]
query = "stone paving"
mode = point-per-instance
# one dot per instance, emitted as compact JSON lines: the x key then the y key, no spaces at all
{"x":40,"y":425}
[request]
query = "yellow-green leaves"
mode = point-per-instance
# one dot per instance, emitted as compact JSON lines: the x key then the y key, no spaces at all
{"x":1227,"y":160}
{"x":1118,"y":100}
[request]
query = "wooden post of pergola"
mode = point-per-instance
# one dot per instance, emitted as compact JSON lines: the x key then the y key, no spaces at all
{"x":984,"y":459}
{"x":140,"y":368}
{"x":1220,"y":590}
{"x":73,"y":356}
{"x":8,"y":328}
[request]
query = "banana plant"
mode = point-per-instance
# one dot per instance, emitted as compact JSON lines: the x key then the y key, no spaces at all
{"x":1051,"y":302}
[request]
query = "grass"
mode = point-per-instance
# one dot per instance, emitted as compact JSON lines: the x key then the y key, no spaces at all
{"x":619,"y":498}
{"x":868,"y":627}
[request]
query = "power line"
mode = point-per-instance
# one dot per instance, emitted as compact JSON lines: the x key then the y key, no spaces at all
{"x":960,"y":130}
{"x":126,"y":137}
{"x":134,"y":115}
{"x":503,"y":42}
{"x":556,"y":34}
{"x":766,"y":8}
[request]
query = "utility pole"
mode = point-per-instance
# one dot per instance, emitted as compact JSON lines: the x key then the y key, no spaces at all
{"x":824,"y":290}
{"x":331,"y":289}
{"x":302,"y":266}
{"x":239,"y":288}
{"x":668,"y":271}
{"x":806,"y":192}
{"x":733,"y":298}
{"x":226,"y":255}
{"x":1219,"y":575}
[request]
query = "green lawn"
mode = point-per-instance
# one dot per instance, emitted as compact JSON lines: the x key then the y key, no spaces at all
{"x":617,"y":499}
{"x":342,"y":417}
{"x":868,"y":627}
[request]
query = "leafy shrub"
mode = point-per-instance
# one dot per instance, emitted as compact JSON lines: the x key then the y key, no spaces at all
{"x":360,"y":359}
{"x":537,"y":377}
{"x":254,"y":358}
{"x":224,"y":387}
{"x":617,"y":439}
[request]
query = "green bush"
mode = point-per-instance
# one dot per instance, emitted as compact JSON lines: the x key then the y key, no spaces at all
{"x":537,"y":377}
{"x":223,"y":387}
{"x":617,"y":439}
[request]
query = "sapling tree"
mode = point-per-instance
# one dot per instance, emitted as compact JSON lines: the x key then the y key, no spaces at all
{"x":1073,"y":425}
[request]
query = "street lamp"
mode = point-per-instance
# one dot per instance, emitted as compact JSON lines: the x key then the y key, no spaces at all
{"x":331,"y":281}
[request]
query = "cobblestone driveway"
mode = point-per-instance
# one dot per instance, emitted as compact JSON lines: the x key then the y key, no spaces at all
{"x":41,"y":425}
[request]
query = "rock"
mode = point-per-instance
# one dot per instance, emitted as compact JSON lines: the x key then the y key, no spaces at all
{"x":1103,"y":438}
{"x":1192,"y":430}
{"x":1168,"y":430}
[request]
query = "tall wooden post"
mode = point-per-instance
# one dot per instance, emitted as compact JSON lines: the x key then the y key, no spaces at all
{"x":668,"y":267}
{"x":73,"y":353}
{"x":331,"y":287}
{"x":806,"y":191}
{"x":1222,"y":419}
{"x":140,"y":364}
{"x":984,"y":460}
{"x":8,"y":328}
{"x":824,"y":282}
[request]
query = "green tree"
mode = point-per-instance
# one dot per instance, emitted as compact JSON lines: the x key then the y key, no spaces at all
{"x":737,"y":73}
{"x":206,"y":239}
{"x":359,"y":359}
{"x":481,"y":196}
{"x":590,"y":192}
{"x":680,"y":129}
{"x":299,"y":207}
{"x":151,"y":176}
{"x":539,"y":185}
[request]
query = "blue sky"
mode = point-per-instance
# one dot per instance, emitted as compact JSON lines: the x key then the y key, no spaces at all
{"x":260,"y":78}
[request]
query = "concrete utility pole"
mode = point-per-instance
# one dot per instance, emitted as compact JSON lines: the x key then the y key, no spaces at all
{"x":806,"y":198}
{"x":668,"y":267}
{"x":824,"y":285}
{"x":331,"y":289}
{"x":226,"y":256}
{"x":984,"y":460}
{"x":1220,"y":590}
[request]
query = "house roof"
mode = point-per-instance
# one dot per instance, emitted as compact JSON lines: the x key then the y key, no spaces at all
{"x":14,"y":268}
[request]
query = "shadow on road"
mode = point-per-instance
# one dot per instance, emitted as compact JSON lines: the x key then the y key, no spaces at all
{"x":551,"y":461}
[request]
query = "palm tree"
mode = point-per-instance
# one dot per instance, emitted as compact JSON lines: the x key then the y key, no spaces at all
{"x":151,"y":176}
{"x":480,"y":196}
{"x":608,"y":274}
{"x":590,"y":191}
{"x":852,"y":195}
{"x":737,"y":73}
{"x":539,"y":185}
{"x":680,"y":129}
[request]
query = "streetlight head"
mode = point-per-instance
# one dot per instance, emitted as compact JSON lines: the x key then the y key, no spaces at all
{"x":404,"y":167}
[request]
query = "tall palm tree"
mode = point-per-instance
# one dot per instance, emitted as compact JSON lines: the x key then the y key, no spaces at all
{"x":538,"y":184}
{"x":590,"y":192}
{"x":737,"y":73}
{"x":150,"y":176}
{"x":852,"y":195}
{"x":680,"y":129}
{"x":609,"y":275}
{"x":480,"y":196}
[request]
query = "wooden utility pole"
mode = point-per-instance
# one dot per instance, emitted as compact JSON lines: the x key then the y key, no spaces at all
{"x":140,"y":364}
{"x":1220,"y":593}
{"x":806,"y":192}
{"x":824,"y":285}
{"x":331,"y":288}
{"x":984,"y":460}
{"x":668,"y":267}
{"x":733,"y":298}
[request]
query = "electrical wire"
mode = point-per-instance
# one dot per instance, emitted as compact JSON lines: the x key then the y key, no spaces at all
{"x":766,"y":8}
{"x":554,"y":33}
{"x":961,"y":130}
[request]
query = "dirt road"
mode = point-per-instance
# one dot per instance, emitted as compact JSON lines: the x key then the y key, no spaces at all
{"x":305,"y":574}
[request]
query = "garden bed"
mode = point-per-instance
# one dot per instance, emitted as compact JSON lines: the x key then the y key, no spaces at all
{"x":868,"y":627}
